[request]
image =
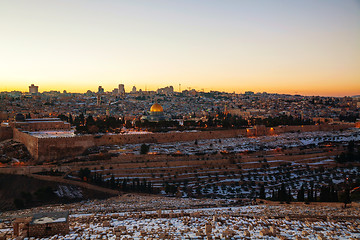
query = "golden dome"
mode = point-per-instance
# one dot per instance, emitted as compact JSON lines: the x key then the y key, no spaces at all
{"x":156,"y":108}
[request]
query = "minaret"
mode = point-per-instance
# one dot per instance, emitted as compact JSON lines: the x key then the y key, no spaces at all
{"x":98,"y":98}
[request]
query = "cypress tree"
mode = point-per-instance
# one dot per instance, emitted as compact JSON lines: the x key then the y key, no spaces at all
{"x":310,"y":195}
{"x":301,"y":194}
{"x":262,"y":192}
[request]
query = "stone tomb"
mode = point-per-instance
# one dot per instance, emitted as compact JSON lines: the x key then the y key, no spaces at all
{"x":42,"y":225}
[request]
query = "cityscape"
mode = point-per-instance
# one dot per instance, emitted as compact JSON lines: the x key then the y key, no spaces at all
{"x":181,"y":120}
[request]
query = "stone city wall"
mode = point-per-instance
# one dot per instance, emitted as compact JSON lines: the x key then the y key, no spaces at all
{"x":261,"y":130}
{"x":168,"y":137}
{"x":56,"y":148}
{"x":33,"y":126}
{"x":6,"y":133}
{"x":30,"y":142}
{"x":4,"y":116}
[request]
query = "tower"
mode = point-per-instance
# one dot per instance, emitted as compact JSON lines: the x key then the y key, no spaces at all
{"x":121,"y":89}
{"x":98,"y":99}
{"x":100,"y":89}
{"x":33,"y":89}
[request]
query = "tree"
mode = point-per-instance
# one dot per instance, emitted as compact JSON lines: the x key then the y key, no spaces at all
{"x":289,"y":196}
{"x":71,"y":119}
{"x":128,"y":124}
{"x":124,"y":185}
{"x":310,"y":194}
{"x":351,"y":146}
{"x":112,"y":182}
{"x":84,"y":174}
{"x":325,"y":194}
{"x":90,"y":121}
{"x":350,"y":155}
{"x":301,"y":194}
{"x":345,"y":196}
{"x":144,"y":149}
{"x":170,"y":188}
{"x":93,"y":129}
{"x":262,"y":194}
{"x":63,"y":117}
{"x":283,"y":196}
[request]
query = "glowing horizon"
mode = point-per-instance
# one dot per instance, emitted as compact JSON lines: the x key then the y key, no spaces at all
{"x":306,"y":48}
{"x":339,"y":93}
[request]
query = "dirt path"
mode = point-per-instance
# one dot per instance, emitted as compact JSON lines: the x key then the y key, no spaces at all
{"x":76,"y":183}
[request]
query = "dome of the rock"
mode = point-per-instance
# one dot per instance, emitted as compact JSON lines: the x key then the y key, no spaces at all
{"x":156,"y":114}
{"x":156,"y":108}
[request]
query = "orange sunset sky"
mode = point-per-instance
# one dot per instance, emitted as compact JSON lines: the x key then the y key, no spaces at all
{"x":297,"y":47}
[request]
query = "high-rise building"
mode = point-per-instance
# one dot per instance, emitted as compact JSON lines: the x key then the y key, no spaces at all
{"x":33,"y":89}
{"x":249,"y":93}
{"x":133,"y":89}
{"x":121,"y":89}
{"x":100,"y":89}
{"x":166,"y":90}
{"x":98,"y":99}
{"x":115,"y":91}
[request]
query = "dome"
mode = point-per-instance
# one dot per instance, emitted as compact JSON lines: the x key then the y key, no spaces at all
{"x":19,"y":117}
{"x":156,"y":108}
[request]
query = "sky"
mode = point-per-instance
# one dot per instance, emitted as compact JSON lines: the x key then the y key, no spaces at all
{"x":309,"y":47}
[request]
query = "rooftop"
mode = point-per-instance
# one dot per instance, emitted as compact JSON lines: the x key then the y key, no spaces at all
{"x":50,"y":217}
{"x":52,"y":134}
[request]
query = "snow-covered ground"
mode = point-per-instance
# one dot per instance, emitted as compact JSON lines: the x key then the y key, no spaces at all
{"x":242,"y":144}
{"x":141,"y":217}
{"x":68,"y":192}
{"x":71,"y":133}
{"x":52,"y":134}
{"x":241,"y":179}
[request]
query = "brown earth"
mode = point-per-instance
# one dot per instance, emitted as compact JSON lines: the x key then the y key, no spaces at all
{"x":14,"y":186}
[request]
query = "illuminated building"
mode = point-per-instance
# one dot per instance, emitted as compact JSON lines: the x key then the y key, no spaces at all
{"x":33,"y":89}
{"x":100,"y":89}
{"x":121,"y":89}
{"x":156,"y":114}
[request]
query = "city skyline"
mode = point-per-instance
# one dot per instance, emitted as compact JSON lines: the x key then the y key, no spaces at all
{"x":307,"y":48}
{"x":130,"y":90}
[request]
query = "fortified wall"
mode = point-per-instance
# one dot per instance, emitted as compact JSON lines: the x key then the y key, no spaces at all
{"x":167,"y":137}
{"x":5,"y":133}
{"x":45,"y":149}
{"x":262,"y":130}
{"x":41,"y":124}
{"x":56,"y":148}
{"x":29,"y":141}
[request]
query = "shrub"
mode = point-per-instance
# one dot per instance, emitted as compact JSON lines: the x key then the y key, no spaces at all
{"x":144,"y":149}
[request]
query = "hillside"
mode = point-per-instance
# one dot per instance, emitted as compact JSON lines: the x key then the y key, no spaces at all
{"x":18,"y":191}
